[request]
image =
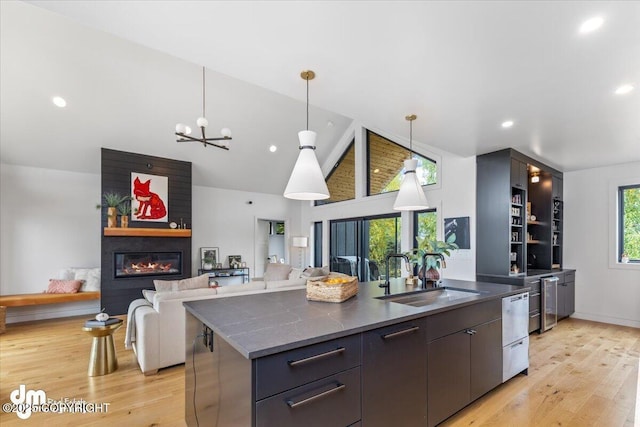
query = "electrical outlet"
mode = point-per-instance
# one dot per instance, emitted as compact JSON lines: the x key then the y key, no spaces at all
{"x":207,"y":337}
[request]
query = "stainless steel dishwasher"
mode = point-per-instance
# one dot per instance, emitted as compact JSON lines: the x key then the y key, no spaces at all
{"x":549,"y":302}
{"x":515,"y":335}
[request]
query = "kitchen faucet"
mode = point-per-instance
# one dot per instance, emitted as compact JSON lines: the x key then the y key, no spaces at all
{"x":424,"y":263}
{"x":386,"y":285}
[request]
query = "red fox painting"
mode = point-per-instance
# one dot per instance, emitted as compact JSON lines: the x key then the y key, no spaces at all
{"x":150,"y":205}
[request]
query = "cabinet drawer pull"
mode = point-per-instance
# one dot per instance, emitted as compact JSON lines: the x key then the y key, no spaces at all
{"x":470,"y":331}
{"x":338,"y":387}
{"x":402,"y":332}
{"x":316,"y":357}
{"x":517,"y":344}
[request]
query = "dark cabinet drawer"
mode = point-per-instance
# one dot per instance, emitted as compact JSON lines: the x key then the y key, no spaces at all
{"x":331,"y":401}
{"x":452,"y":321}
{"x":284,"y":371}
{"x":570,"y":276}
{"x":534,"y":285}
{"x":534,"y":321}
{"x":534,"y":302}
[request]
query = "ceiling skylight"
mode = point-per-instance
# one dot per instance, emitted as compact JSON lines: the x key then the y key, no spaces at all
{"x":591,"y":24}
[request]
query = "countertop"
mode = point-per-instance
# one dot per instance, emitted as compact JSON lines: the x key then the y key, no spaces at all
{"x":267,"y":323}
{"x":529,"y":274}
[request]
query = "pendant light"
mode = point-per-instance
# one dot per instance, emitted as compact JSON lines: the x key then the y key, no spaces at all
{"x":184,"y":131}
{"x":307,"y":181}
{"x":411,"y":195}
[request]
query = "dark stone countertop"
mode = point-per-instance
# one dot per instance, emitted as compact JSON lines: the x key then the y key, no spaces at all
{"x":271,"y":322}
{"x":532,"y":273}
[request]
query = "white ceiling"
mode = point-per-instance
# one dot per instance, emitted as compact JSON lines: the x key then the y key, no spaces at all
{"x":462,"y":67}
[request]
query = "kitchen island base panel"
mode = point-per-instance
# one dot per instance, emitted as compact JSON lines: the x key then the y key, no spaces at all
{"x":217,"y":383}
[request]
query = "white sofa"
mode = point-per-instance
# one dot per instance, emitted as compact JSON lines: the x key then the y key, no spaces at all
{"x":156,"y":323}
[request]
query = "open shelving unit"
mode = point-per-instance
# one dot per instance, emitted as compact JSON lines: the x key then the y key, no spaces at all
{"x":517,"y":255}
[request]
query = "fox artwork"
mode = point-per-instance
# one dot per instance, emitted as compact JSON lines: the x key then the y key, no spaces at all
{"x":151,"y":206}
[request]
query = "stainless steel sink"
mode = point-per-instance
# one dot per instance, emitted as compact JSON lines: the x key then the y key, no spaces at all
{"x":429,"y":296}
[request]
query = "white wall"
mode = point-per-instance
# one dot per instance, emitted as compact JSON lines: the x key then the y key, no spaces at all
{"x":605,"y":291}
{"x":225,"y":219}
{"x":48,"y":221}
{"x":455,"y":198}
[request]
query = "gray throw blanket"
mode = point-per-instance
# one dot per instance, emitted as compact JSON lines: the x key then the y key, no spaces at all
{"x":130,"y":335}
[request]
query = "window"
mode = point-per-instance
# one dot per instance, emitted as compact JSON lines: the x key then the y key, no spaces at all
{"x":629,"y":223}
{"x":425,"y":225}
{"x":385,"y":165}
{"x":341,"y":180}
{"x":317,"y":244}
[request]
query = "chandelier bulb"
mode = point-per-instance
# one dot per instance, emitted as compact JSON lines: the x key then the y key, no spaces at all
{"x":202,"y":122}
{"x":225,"y":132}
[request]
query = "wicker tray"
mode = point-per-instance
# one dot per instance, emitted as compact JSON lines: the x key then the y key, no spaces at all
{"x":320,"y":290}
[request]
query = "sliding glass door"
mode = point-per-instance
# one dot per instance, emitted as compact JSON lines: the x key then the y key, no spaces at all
{"x":359,"y":246}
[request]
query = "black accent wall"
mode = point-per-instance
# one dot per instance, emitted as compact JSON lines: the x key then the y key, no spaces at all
{"x":117,"y":166}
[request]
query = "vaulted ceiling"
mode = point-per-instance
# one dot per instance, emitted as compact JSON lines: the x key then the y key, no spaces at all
{"x":131,"y":70}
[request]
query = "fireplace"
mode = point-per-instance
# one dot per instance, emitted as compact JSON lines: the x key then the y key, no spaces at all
{"x":136,"y":264}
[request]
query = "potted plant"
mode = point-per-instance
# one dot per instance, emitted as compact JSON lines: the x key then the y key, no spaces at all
{"x":124,"y":209}
{"x":433,"y":264}
{"x":112,"y":200}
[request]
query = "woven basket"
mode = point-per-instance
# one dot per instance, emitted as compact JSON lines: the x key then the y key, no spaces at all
{"x":320,"y":290}
{"x":3,"y":319}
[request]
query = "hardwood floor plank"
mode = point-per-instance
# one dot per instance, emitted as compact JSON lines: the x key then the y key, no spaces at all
{"x":581,"y":374}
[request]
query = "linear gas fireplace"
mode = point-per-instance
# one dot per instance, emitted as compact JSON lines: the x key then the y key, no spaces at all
{"x":135,"y":264}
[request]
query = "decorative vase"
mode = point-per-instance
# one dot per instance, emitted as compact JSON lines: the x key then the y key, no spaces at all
{"x":124,"y":221}
{"x":207,"y":266}
{"x":112,"y":217}
{"x":432,"y":274}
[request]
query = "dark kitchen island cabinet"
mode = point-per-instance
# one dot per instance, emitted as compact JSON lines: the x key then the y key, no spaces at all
{"x":465,"y":364}
{"x":394,"y":368}
{"x":276,"y":359}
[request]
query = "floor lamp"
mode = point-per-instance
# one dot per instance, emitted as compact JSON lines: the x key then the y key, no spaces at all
{"x":301,"y":243}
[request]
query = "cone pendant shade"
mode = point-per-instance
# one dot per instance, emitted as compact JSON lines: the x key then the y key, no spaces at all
{"x":307,"y":181}
{"x":411,"y":195}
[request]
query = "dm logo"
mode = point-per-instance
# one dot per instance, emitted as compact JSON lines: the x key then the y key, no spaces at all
{"x":25,"y":400}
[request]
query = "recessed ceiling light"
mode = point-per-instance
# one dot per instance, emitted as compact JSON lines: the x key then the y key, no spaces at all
{"x":591,"y":24}
{"x":507,"y":124}
{"x":59,"y":101}
{"x":624,"y":89}
{"x":273,"y":148}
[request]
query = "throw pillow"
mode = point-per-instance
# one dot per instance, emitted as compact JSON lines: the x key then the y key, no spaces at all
{"x":277,"y":272}
{"x":148,"y":295}
{"x":296,"y":273}
{"x":314,"y":272}
{"x":57,"y":286}
{"x":182,"y":285}
{"x":201,"y":281}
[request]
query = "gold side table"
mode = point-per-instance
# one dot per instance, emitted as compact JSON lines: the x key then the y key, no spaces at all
{"x":102,"y":360}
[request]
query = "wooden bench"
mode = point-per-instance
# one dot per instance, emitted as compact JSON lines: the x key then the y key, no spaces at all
{"x":21,"y":300}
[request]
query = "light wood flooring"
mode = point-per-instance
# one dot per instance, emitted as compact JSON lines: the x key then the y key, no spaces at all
{"x":582,"y":374}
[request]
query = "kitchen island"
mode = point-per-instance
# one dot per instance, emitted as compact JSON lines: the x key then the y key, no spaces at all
{"x":278,"y":359}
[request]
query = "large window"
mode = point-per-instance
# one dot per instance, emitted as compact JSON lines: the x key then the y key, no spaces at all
{"x":341,"y":181}
{"x":629,"y":224}
{"x":386,"y":165}
{"x":360,"y":246}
